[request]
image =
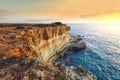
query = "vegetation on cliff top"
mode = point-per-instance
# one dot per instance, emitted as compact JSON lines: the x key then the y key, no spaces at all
{"x":54,"y":24}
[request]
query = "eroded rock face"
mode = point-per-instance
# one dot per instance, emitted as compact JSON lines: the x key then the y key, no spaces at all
{"x":31,"y":42}
{"x":25,"y":51}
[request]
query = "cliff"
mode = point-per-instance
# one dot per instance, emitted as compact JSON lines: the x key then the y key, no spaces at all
{"x":27,"y":51}
{"x":33,"y":41}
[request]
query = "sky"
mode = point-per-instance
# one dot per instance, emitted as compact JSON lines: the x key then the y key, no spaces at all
{"x":66,"y":10}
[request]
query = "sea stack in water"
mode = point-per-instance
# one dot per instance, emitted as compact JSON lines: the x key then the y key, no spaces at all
{"x":77,"y":44}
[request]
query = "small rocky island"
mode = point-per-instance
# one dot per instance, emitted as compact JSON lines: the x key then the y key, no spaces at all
{"x":27,"y":52}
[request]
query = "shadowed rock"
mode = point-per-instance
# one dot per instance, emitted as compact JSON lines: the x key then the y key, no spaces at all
{"x":20,"y":27}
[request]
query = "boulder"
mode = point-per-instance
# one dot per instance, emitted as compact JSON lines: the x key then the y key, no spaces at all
{"x":79,"y":73}
{"x":77,"y":38}
{"x":77,"y":46}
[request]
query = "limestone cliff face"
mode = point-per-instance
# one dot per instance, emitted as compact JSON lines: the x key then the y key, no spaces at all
{"x":34,"y":41}
{"x":26,"y":53}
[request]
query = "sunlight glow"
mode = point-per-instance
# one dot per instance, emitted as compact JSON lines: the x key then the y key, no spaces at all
{"x":112,"y":16}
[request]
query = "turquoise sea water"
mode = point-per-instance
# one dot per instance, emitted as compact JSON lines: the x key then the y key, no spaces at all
{"x":102,"y":55}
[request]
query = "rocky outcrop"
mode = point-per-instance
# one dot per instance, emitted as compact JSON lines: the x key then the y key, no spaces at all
{"x":79,"y":73}
{"x":77,"y":43}
{"x":33,"y":41}
{"x":16,"y":68}
{"x":26,"y":52}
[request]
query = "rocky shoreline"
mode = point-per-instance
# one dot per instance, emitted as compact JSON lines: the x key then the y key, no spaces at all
{"x":75,"y":73}
{"x":75,"y":43}
{"x":29,"y":51}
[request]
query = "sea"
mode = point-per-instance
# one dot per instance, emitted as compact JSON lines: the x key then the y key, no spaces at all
{"x":102,"y":54}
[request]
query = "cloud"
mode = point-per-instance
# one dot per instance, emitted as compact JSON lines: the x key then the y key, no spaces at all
{"x":99,"y":14}
{"x":6,"y":14}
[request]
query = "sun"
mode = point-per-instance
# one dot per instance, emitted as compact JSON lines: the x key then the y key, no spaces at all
{"x":111,"y":16}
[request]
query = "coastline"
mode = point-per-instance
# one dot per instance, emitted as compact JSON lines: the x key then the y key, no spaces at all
{"x":29,"y":52}
{"x":79,"y":72}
